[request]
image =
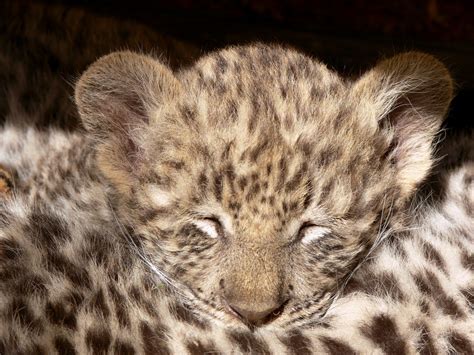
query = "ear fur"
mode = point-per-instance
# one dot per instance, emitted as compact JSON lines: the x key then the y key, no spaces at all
{"x":117,"y":97}
{"x":405,"y":98}
{"x":122,"y":89}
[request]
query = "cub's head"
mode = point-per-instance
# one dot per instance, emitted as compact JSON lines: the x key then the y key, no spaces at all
{"x":258,"y":179}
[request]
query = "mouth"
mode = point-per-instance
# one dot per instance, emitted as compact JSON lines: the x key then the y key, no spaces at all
{"x":252,"y":325}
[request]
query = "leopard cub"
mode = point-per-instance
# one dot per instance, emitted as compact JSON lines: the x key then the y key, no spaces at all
{"x":256,"y":180}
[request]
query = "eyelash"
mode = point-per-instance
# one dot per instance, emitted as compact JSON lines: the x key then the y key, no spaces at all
{"x":304,"y":226}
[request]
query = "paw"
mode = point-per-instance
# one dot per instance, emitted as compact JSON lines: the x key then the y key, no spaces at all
{"x":6,"y":182}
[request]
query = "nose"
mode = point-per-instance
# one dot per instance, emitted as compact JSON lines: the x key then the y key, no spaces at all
{"x":258,"y":316}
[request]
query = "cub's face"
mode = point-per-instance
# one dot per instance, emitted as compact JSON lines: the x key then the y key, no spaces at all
{"x":257,"y":180}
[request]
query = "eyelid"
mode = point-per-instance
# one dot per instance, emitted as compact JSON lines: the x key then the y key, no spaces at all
{"x":216,"y":225}
{"x":301,"y":235}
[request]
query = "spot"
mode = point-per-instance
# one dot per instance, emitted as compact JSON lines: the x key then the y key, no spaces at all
{"x":9,"y":250}
{"x":308,"y":196}
{"x":259,"y":149}
{"x":78,"y":276}
{"x":203,"y":181}
{"x":154,"y":339}
{"x":430,"y":286}
{"x":138,"y":297}
{"x":4,"y":218}
{"x":218,"y":186}
{"x":282,"y":170}
{"x":98,"y":305}
{"x":426,"y":345}
{"x":248,"y":343}
{"x":326,"y":189}
{"x":336,"y":347}
{"x":383,"y":332}
{"x":186,"y":316}
{"x":431,"y":254}
{"x":98,"y":247}
{"x":253,"y":191}
{"x":188,"y":114}
{"x":297,"y":343}
{"x":297,"y":179}
{"x":175,"y":164}
{"x":98,"y":340}
{"x":123,"y":348}
{"x":252,"y":121}
{"x":20,"y":311}
{"x":467,"y":260}
{"x":47,"y":230}
{"x":35,"y":349}
{"x":64,"y":346}
{"x":61,"y":313}
{"x":196,"y":347}
{"x":150,"y":214}
{"x":328,"y":156}
{"x":460,"y":344}
{"x":242,"y":182}
{"x":31,"y":285}
{"x":468,"y":295}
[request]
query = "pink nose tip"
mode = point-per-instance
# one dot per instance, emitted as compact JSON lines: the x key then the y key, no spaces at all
{"x":258,"y":316}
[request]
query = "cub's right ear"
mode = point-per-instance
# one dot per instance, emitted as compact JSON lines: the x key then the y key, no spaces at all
{"x":120,"y":91}
{"x":118,"y":97}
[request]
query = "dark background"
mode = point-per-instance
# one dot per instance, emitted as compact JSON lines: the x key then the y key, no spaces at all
{"x":348,"y":35}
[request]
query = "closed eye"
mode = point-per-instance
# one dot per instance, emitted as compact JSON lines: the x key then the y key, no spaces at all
{"x":210,"y":226}
{"x":310,"y":233}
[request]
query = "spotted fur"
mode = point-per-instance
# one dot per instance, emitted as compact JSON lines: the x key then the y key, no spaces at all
{"x":74,"y":282}
{"x":255,"y":202}
{"x":253,"y":134}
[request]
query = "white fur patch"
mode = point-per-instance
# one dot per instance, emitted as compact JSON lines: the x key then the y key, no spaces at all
{"x":314,"y":233}
{"x":159,"y":197}
{"x":207,"y":226}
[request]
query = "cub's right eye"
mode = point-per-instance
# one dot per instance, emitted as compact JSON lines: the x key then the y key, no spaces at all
{"x":210,"y":226}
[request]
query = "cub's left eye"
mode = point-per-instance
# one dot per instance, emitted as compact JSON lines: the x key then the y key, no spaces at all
{"x":310,"y":233}
{"x":211,"y":226}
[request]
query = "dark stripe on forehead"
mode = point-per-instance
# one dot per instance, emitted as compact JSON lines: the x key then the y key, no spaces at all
{"x":218,"y":186}
{"x":297,"y":178}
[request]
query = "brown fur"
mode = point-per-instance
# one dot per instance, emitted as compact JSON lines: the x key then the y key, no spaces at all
{"x":263,"y":140}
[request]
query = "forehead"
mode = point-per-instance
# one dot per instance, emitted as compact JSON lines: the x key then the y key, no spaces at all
{"x":272,"y":84}
{"x":264,"y":124}
{"x":242,"y":93}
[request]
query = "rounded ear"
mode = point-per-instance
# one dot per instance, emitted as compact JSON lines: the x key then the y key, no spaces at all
{"x":121,"y":90}
{"x":405,"y":98}
{"x":117,"y":96}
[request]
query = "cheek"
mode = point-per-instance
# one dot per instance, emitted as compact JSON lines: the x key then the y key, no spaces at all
{"x":320,"y":267}
{"x":189,"y":260}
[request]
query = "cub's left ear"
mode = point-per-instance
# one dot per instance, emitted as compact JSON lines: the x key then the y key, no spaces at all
{"x":118,"y":97}
{"x":405,"y":98}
